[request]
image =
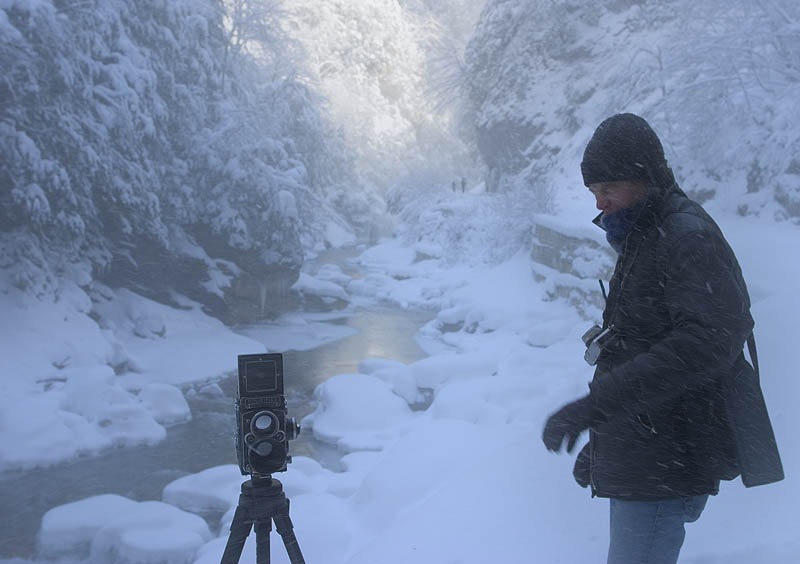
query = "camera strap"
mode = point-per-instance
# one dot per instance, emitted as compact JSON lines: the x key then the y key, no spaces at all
{"x":751,"y":348}
{"x":622,"y":269}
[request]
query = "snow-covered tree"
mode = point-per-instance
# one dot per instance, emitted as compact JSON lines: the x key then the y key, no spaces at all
{"x":143,"y":136}
{"x":371,"y":62}
{"x":718,"y":79}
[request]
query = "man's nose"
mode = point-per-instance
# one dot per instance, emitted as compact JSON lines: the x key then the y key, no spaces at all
{"x":601,"y":202}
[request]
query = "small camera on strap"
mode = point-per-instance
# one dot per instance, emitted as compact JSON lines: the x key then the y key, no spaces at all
{"x":596,"y":340}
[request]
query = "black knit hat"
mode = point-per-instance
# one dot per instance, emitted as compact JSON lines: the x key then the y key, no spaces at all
{"x":625,"y":147}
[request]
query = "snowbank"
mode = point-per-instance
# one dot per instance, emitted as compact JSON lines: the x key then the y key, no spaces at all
{"x":100,"y":373}
{"x":441,"y":458}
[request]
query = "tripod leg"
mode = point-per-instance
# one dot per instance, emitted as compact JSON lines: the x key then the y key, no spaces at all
{"x":285,"y":528}
{"x":240,"y":528}
{"x":262,"y":527}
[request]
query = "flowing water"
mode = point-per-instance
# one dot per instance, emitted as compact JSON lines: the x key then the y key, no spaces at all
{"x":140,"y":473}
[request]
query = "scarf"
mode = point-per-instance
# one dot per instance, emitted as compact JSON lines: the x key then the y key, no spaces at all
{"x":618,"y":225}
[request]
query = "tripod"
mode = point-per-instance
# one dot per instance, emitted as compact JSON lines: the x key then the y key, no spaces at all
{"x":261,"y":502}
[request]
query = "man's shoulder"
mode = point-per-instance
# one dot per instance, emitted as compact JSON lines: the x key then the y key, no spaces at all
{"x":682,"y":216}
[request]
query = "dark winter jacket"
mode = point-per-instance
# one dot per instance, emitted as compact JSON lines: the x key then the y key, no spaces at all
{"x":680,"y":312}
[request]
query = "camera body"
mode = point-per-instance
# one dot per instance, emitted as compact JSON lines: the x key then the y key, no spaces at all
{"x":596,"y":339}
{"x":263,"y":428}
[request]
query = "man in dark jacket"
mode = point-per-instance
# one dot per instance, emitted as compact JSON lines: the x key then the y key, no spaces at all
{"x":674,"y":405}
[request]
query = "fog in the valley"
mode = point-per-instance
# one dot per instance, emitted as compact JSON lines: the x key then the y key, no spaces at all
{"x":387,"y":192}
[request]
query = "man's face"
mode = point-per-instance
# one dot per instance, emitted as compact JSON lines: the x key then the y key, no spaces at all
{"x":620,"y":194}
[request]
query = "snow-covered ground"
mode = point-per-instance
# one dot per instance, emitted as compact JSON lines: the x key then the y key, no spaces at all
{"x":465,"y":480}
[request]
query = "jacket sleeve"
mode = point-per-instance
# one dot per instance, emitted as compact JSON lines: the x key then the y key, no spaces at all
{"x":709,"y":321}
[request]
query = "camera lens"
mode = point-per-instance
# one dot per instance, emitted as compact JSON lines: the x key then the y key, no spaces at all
{"x":264,"y":423}
{"x":263,"y":448}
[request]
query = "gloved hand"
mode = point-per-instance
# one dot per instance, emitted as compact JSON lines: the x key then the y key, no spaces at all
{"x":582,"y":471}
{"x":568,"y":423}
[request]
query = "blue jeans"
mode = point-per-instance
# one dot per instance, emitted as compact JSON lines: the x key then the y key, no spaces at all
{"x":651,"y":532}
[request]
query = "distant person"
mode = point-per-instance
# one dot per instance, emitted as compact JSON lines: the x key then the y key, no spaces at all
{"x":463,"y":184}
{"x":454,"y":185}
{"x":673,"y":407}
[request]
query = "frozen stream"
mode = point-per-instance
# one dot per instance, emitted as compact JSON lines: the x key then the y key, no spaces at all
{"x":140,"y":473}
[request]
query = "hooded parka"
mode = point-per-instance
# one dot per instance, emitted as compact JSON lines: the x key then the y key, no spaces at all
{"x":679,"y":310}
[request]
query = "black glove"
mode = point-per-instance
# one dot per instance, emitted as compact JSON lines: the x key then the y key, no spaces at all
{"x":582,"y":471}
{"x":568,"y":423}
